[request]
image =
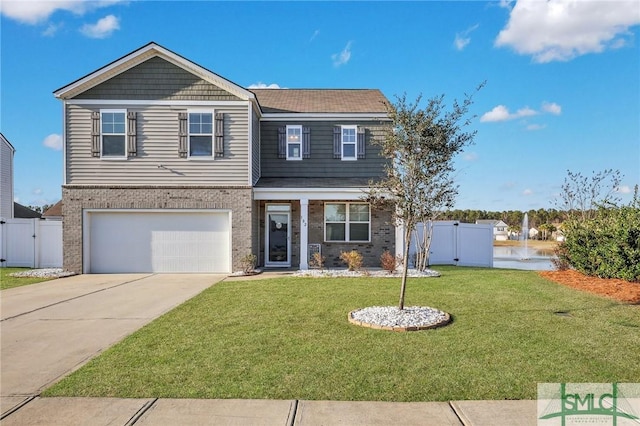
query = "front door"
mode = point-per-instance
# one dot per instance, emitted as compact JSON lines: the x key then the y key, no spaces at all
{"x":278,"y":242}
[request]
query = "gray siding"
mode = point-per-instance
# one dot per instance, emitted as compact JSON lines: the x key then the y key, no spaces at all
{"x":255,"y":148}
{"x":321,"y":164}
{"x":157,"y":144}
{"x":6,"y":181}
{"x":157,"y":79}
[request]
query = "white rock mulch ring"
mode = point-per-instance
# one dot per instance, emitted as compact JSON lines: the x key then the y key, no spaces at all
{"x":42,"y":273}
{"x":412,"y":318}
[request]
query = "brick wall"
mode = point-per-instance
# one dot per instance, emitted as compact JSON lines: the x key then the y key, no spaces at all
{"x":382,"y":238}
{"x":239,"y":200}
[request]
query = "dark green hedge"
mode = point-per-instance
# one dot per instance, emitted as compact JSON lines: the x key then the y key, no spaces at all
{"x":607,"y":245}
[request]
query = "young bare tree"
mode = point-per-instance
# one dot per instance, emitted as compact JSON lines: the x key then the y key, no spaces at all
{"x":421,"y":145}
{"x":581,"y":196}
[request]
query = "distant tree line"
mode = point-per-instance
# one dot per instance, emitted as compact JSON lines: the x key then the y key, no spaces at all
{"x":513,"y":218}
{"x":41,"y":209}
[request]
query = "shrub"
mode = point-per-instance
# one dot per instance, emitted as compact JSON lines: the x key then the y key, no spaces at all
{"x":606,"y":245}
{"x":388,"y":262}
{"x":317,"y":261}
{"x":560,"y":261}
{"x":249,"y":263}
{"x":353,"y":259}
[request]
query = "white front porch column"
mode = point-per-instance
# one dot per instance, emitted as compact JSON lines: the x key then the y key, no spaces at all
{"x":304,"y":234}
{"x":400,"y":239}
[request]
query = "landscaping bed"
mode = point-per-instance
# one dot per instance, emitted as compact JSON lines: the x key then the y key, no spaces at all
{"x":621,"y":290}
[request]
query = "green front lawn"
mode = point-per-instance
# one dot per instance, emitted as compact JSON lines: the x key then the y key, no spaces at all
{"x":7,"y":281}
{"x":289,"y":339}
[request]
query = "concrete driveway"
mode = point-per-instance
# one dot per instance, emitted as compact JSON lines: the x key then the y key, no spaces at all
{"x":50,"y":329}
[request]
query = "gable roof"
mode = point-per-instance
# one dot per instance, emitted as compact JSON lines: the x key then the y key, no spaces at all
{"x":54,"y":211}
{"x":321,"y":100}
{"x":139,"y":56}
{"x":492,"y":222}
{"x":6,"y":141}
{"x":22,"y":212}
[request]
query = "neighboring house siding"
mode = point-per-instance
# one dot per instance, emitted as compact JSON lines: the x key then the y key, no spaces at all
{"x":321,"y":163}
{"x":6,"y":180}
{"x":157,"y":145}
{"x":157,"y":79}
{"x":238,"y":200}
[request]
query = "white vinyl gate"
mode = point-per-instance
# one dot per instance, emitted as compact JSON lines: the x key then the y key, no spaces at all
{"x":455,"y":243}
{"x":31,"y":243}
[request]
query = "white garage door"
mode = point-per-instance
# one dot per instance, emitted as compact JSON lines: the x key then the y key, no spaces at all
{"x":157,"y":241}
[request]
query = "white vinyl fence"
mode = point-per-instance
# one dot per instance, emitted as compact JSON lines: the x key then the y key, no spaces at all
{"x":455,"y":243}
{"x":31,"y":243}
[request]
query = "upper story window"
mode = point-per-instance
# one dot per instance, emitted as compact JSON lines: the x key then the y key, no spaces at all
{"x":348,"y":142}
{"x":113,"y":133}
{"x":200,"y":134}
{"x":294,"y":142}
{"x":349,"y":222}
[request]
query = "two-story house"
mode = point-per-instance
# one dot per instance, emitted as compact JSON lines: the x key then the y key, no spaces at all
{"x":169,"y":167}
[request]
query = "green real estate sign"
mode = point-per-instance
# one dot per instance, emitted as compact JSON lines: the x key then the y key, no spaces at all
{"x":616,"y":404}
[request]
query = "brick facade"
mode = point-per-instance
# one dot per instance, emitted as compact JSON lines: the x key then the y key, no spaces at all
{"x":238,"y":199}
{"x":382,"y":236}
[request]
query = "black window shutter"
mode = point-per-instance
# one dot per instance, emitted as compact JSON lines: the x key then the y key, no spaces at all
{"x":282,"y":142}
{"x":182,"y":135}
{"x":361,"y":142}
{"x":131,"y":134}
{"x":95,"y":134}
{"x":337,"y":142}
{"x":219,"y":135}
{"x":306,"y":142}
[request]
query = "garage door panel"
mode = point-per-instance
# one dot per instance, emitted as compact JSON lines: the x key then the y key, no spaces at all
{"x":159,"y":242}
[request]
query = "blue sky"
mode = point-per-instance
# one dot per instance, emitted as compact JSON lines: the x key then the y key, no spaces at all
{"x":562,"y":92}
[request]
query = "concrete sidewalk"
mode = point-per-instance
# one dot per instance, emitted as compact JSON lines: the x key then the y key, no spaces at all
{"x":250,"y":412}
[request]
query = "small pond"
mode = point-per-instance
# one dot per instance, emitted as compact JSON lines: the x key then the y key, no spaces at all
{"x":519,"y":258}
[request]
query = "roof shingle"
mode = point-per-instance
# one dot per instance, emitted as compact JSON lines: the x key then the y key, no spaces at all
{"x":321,"y":100}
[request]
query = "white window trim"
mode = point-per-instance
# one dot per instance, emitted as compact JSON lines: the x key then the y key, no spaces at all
{"x":213,"y":134}
{"x":347,"y":223}
{"x":102,"y":134}
{"x":354,"y":143}
{"x":294,"y":126}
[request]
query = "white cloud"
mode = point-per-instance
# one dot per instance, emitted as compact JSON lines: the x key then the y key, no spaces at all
{"x":53,"y":141}
{"x":101,"y":29}
{"x":533,"y":127}
{"x":552,"y":108}
{"x":37,"y":191}
{"x":261,"y":85}
{"x":342,"y":57}
{"x":52,"y":29}
{"x":462,"y":39}
{"x":527,"y":192}
{"x":470,"y":156}
{"x":314,"y":35}
{"x":499,"y":113}
{"x":623,"y":189}
{"x":33,"y":12}
{"x":560,"y":30}
{"x":502,"y":113}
